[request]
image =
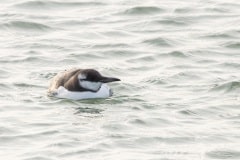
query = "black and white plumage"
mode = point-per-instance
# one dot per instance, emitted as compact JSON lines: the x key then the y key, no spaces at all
{"x":80,"y":84}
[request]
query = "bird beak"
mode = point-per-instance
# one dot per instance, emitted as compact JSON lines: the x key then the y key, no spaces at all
{"x":109,"y":79}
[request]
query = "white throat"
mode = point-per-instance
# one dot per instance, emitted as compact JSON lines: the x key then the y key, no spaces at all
{"x":94,"y":86}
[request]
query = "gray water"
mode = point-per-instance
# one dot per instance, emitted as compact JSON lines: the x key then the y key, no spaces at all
{"x":179,"y":63}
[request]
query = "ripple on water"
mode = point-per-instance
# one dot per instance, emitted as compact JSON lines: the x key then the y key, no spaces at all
{"x":217,"y":10}
{"x":232,"y":45}
{"x":154,"y":80}
{"x":143,"y":10}
{"x":227,"y":87}
{"x":183,"y":76}
{"x":219,"y":36}
{"x":83,"y":152}
{"x":26,"y":59}
{"x":183,"y":10}
{"x":149,"y":122}
{"x":81,"y":110}
{"x":178,"y":54}
{"x":27,"y":85}
{"x":39,"y":158}
{"x":143,"y":59}
{"x":173,"y":55}
{"x":26,"y":26}
{"x":188,"y":112}
{"x":168,"y":140}
{"x":230,"y":65}
{"x":45,"y":75}
{"x":40,"y":4}
{"x":224,"y":154}
{"x":120,"y":53}
{"x":169,"y":22}
{"x":113,"y":45}
{"x":159,"y":42}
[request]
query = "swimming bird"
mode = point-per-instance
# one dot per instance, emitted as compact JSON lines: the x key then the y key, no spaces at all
{"x":79,"y":84}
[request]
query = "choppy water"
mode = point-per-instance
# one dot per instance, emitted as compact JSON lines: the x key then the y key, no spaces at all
{"x":179,"y":62}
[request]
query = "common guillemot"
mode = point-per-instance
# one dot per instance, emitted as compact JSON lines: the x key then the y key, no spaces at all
{"x":80,"y":84}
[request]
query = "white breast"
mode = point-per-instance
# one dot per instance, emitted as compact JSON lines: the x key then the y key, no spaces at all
{"x":61,"y":92}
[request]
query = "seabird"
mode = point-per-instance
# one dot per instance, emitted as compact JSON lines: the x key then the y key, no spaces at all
{"x":80,"y":84}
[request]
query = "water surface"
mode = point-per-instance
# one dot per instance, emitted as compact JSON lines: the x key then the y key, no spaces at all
{"x":178,"y":61}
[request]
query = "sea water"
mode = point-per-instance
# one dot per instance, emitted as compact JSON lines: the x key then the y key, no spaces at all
{"x":179,"y":65}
